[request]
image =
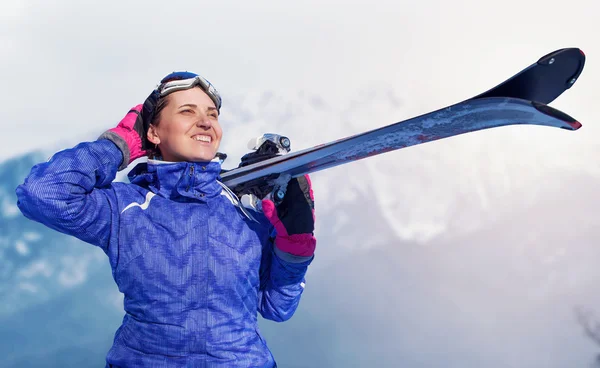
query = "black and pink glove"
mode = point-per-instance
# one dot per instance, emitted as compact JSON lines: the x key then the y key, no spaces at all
{"x":294,"y":218}
{"x":129,"y":136}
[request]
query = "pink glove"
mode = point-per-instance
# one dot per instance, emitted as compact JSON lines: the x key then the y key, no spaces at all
{"x":128,"y":135}
{"x":294,"y":218}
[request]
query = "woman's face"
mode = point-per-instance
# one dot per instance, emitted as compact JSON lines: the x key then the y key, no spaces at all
{"x":188,"y":127}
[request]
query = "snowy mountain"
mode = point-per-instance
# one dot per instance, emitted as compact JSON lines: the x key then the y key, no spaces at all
{"x":58,"y":295}
{"x":33,"y":269}
{"x":471,"y":251}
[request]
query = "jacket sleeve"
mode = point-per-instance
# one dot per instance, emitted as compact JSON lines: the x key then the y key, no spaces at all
{"x":71,"y":192}
{"x":282,"y":281}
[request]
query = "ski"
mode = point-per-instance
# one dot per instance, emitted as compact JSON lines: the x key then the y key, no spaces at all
{"x":520,"y":100}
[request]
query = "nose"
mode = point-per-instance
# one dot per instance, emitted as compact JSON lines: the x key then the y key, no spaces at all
{"x":203,"y":121}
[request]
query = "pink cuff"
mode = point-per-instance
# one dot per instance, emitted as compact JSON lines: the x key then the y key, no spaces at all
{"x":298,"y":244}
{"x":133,"y":141}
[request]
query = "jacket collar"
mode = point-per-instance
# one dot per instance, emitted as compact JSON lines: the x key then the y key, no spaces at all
{"x":179,"y":180}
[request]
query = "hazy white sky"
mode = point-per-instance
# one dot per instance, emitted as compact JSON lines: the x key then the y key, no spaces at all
{"x":71,"y":67}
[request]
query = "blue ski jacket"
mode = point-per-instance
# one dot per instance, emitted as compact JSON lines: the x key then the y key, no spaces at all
{"x":195,"y":269}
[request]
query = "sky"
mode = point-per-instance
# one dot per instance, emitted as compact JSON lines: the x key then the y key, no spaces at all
{"x":75,"y":67}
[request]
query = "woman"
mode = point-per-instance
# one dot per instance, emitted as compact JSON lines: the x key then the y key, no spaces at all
{"x":195,"y":267}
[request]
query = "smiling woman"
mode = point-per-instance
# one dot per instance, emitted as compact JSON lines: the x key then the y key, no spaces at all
{"x":194,"y":265}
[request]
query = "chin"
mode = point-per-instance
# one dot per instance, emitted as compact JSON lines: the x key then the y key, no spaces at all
{"x":193,"y":154}
{"x":202,"y":158}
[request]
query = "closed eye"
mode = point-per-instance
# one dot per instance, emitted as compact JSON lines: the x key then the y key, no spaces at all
{"x":187,"y":108}
{"x":212,"y":112}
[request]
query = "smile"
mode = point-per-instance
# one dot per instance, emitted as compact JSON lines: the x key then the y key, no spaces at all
{"x":202,"y":138}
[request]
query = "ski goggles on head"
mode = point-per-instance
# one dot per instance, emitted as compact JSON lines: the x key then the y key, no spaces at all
{"x":178,"y":81}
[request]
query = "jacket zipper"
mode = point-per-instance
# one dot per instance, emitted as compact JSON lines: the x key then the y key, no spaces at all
{"x":192,"y":178}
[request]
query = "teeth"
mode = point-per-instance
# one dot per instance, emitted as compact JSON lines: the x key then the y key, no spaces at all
{"x":203,"y":138}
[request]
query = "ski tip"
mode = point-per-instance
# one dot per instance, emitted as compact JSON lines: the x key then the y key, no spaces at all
{"x":571,"y":58}
{"x":567,"y":52}
{"x":574,"y":124}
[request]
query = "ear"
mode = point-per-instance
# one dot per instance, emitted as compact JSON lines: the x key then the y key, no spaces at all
{"x":152,"y":135}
